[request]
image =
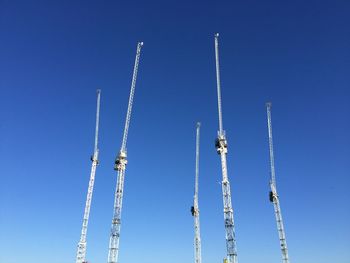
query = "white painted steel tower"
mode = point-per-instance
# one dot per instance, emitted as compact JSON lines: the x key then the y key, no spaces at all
{"x":120,"y":165}
{"x":221,"y":148}
{"x":194,"y":208}
{"x":274,"y":198}
{"x":81,"y":253}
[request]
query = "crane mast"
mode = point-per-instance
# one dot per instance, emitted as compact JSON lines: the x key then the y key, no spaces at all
{"x":120,"y":165}
{"x":221,"y":148}
{"x":81,"y":252}
{"x":194,"y":208}
{"x":273,"y":196}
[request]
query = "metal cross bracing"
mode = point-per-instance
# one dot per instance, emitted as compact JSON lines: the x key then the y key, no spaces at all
{"x":221,"y":148}
{"x":195,"y":208}
{"x":273,"y":196}
{"x":81,"y":252}
{"x":120,"y":165}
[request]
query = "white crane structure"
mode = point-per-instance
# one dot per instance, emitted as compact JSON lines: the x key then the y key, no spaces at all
{"x":221,"y":148}
{"x":194,"y":208}
{"x":274,"y":198}
{"x":120,"y":165}
{"x":81,"y":252}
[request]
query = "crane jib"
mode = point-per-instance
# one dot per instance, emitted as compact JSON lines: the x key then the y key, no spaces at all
{"x":120,"y":166}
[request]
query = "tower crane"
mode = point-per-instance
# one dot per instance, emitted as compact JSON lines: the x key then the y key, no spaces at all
{"x":81,"y":252}
{"x":120,"y":165}
{"x":273,"y":196}
{"x":194,"y":208}
{"x":221,"y":148}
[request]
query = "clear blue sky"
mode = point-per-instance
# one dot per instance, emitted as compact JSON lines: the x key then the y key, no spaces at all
{"x":55,"y":54}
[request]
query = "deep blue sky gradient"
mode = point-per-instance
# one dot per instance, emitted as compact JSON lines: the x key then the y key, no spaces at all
{"x":55,"y":54}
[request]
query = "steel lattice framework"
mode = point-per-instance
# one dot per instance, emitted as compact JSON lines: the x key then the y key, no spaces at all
{"x":195,"y":208}
{"x":120,"y":165}
{"x":221,"y":148}
{"x":274,"y":198}
{"x":81,"y":252}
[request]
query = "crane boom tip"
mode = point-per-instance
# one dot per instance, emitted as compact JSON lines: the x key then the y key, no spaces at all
{"x":268,"y":104}
{"x":216,"y":35}
{"x":198,"y":124}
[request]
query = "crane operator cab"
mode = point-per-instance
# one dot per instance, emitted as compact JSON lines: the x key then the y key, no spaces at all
{"x":221,"y":144}
{"x":120,"y":161}
{"x":92,"y":158}
{"x":271,"y":196}
{"x":192,"y":210}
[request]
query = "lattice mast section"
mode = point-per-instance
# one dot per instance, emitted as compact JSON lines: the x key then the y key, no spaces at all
{"x":195,"y":208}
{"x":120,"y":165}
{"x":274,"y":198}
{"x":81,"y":252}
{"x":221,"y":148}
